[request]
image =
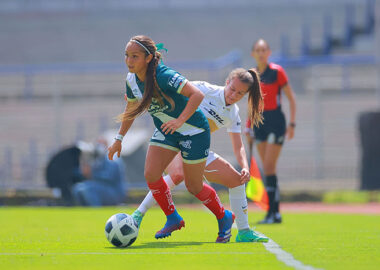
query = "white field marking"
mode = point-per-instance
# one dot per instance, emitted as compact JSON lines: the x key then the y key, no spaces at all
{"x":126,"y":253}
{"x":284,"y":256}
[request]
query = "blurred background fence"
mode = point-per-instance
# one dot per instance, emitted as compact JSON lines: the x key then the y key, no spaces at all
{"x":62,"y":75}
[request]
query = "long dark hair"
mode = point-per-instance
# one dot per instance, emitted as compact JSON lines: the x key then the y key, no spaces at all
{"x":255,"y":97}
{"x":151,"y":90}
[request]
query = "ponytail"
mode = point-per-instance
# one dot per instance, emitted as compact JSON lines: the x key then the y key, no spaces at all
{"x":255,"y":100}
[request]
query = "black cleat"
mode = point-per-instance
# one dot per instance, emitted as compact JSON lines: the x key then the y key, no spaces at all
{"x":271,"y":218}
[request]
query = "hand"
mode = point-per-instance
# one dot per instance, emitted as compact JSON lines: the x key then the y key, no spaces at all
{"x":244,"y":176}
{"x":171,"y":126}
{"x":290,"y":132}
{"x":114,"y":148}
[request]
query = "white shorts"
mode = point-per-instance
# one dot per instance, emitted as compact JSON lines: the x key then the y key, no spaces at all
{"x":211,"y":157}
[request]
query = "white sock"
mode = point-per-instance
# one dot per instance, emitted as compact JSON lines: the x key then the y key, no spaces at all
{"x":149,"y":201}
{"x":239,"y":206}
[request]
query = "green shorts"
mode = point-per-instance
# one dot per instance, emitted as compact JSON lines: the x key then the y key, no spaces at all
{"x":194,"y":149}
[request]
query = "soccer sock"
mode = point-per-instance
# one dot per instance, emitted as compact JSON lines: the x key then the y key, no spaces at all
{"x":162,"y":195}
{"x":149,"y":201}
{"x":271,"y":187}
{"x":239,"y":206}
{"x":211,"y":200}
{"x":277,"y":200}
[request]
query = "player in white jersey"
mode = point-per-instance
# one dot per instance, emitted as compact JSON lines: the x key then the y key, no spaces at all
{"x":219,"y":107}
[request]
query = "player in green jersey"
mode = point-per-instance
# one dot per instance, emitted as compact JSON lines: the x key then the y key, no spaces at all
{"x":181,"y":127}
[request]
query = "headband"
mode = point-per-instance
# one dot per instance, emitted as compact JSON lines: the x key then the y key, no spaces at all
{"x":142,"y":45}
{"x":159,"y":46}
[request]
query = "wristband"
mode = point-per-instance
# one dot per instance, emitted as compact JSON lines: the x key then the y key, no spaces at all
{"x":292,"y":124}
{"x":119,"y":137}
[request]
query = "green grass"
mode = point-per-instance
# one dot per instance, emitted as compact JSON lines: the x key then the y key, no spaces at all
{"x":351,"y":196}
{"x":347,"y":197}
{"x":73,"y":238}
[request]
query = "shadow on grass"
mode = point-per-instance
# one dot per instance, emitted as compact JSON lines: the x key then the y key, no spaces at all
{"x":162,"y":245}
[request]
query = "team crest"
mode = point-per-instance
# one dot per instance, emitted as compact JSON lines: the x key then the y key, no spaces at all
{"x":186,"y":144}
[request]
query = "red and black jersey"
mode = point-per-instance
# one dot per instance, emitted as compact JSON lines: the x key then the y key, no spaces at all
{"x":271,"y":82}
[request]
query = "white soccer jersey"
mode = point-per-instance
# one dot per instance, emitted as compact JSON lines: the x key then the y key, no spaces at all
{"x":214,"y":108}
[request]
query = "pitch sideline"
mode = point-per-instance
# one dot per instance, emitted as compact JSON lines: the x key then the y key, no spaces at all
{"x":284,"y":256}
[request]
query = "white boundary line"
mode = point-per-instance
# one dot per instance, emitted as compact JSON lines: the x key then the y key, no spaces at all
{"x":271,"y":246}
{"x":285,"y":257}
{"x":120,"y":253}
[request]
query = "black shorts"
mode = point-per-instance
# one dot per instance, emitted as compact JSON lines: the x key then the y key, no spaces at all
{"x":273,"y":129}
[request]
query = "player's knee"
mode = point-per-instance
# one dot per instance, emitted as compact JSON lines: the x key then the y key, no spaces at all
{"x":269,"y":168}
{"x":193,"y":189}
{"x":234,"y":182}
{"x":234,"y":178}
{"x":177,"y":177}
{"x":150,"y":176}
{"x":231,"y":179}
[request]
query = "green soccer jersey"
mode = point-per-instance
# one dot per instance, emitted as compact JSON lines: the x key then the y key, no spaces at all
{"x":171,"y":83}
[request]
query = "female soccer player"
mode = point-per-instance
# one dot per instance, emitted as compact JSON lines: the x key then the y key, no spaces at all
{"x":173,"y":103}
{"x":219,"y":106}
{"x":270,"y":136}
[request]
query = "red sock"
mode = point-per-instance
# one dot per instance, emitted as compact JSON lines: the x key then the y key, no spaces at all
{"x":162,"y":195}
{"x":211,"y":200}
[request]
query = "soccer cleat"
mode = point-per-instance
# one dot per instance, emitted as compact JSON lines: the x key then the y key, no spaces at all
{"x":137,"y":217}
{"x":250,"y":236}
{"x":174,"y":222}
{"x":271,"y":218}
{"x":225,"y":225}
{"x":277,"y":218}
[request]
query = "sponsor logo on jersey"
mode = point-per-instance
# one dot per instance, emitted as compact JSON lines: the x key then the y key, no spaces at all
{"x":175,"y":80}
{"x":186,"y":144}
{"x":211,"y":104}
{"x":155,"y":107}
{"x":215,"y":115}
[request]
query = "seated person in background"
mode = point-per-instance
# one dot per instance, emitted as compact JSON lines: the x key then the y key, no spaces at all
{"x":102,"y":179}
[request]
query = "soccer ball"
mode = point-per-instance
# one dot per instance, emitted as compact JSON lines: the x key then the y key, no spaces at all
{"x":121,"y":230}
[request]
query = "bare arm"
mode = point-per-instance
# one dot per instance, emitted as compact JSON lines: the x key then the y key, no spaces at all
{"x":195,"y":98}
{"x":248,"y":132}
{"x":124,"y":127}
{"x":126,"y":124}
{"x":292,"y":107}
{"x":241,"y":156}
